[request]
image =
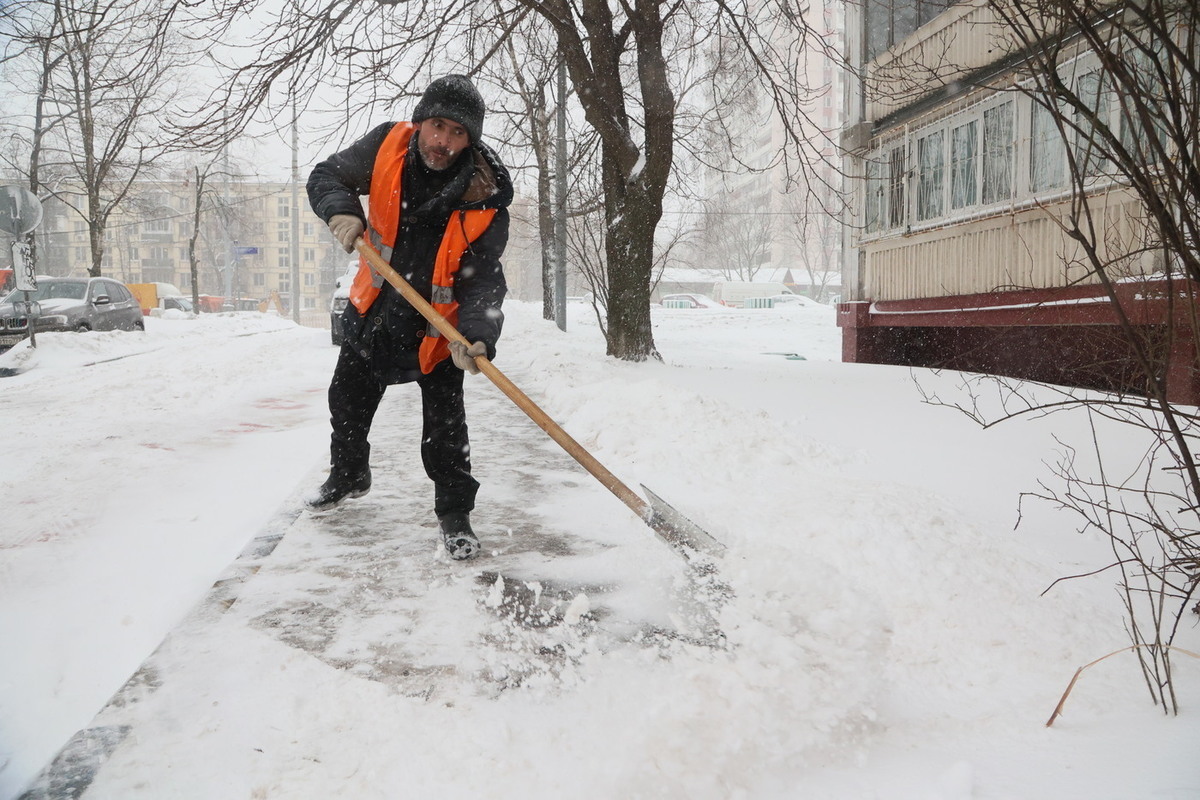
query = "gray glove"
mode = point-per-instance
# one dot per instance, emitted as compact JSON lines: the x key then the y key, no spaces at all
{"x":346,"y":228}
{"x":464,"y":357}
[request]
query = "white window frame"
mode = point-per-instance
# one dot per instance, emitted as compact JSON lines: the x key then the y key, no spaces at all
{"x":931,"y":147}
{"x":972,"y":174}
{"x":1010,"y":148}
{"x":1020,"y":148}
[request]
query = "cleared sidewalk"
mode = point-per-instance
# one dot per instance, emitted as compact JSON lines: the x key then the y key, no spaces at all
{"x":366,"y":599}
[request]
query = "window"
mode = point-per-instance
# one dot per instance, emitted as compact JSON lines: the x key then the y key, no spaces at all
{"x":285,"y":257}
{"x":156,"y":226}
{"x":284,"y":207}
{"x":890,"y":21}
{"x":285,"y":282}
{"x":1134,"y":136}
{"x":1047,"y":154}
{"x":260,"y":279}
{"x":310,"y":254}
{"x":963,"y":185}
{"x":284,"y":232}
{"x":964,"y":162}
{"x":309,"y":229}
{"x":117,"y":292}
{"x":895,"y":193}
{"x":310,"y":279}
{"x":998,"y":153}
{"x":884,"y":207}
{"x":874,"y":210}
{"x":931,"y":160}
{"x":1089,"y":145}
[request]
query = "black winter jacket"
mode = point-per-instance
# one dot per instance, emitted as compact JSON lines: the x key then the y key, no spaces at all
{"x":390,"y":334}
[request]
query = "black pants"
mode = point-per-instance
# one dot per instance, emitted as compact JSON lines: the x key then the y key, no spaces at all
{"x":354,"y":396}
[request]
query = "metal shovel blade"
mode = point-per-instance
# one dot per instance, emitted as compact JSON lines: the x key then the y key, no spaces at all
{"x":678,"y":531}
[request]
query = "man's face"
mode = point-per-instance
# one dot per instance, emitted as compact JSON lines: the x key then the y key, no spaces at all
{"x":440,"y":140}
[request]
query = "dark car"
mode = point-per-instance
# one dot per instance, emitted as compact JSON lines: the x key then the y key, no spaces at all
{"x":338,"y":303}
{"x":69,"y":304}
{"x":336,"y":307}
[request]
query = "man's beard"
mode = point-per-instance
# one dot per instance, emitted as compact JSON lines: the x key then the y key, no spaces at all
{"x":448,"y":158}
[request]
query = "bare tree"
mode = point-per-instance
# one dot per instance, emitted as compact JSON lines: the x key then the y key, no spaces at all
{"x":528,"y":75}
{"x":1118,"y":82}
{"x":34,"y":58}
{"x":816,"y":235}
{"x":205,"y":201}
{"x":115,"y":80}
{"x":735,"y":242}
{"x":631,"y":64}
{"x":586,"y":246}
{"x":532,"y":80}
{"x":99,"y":84}
{"x":586,"y":233}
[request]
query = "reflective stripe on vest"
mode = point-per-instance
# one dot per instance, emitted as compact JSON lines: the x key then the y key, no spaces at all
{"x":463,"y":228}
{"x":383,"y":221}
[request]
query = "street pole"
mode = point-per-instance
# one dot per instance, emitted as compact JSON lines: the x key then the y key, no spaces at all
{"x":295,"y":210}
{"x":230,"y":244}
{"x":560,"y":204}
{"x":20,"y":214}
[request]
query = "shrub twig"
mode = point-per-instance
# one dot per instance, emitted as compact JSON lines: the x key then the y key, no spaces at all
{"x":1058,"y":709}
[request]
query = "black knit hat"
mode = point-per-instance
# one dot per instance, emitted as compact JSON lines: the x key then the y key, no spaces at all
{"x":453,"y":97}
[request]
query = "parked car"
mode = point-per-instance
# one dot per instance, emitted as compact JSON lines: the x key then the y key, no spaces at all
{"x":159,"y":297}
{"x":792,"y":300}
{"x":735,"y":293}
{"x":176,"y":303}
{"x":688,"y":301}
{"x":70,"y":304}
{"x":338,"y":303}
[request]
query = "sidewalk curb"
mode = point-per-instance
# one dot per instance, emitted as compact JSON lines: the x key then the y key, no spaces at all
{"x":75,"y":766}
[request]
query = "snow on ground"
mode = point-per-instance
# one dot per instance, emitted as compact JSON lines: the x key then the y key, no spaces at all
{"x":887,"y":637}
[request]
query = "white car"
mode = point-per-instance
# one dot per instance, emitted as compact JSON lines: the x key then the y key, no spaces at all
{"x":792,"y":299}
{"x":688,"y":301}
{"x":338,"y":303}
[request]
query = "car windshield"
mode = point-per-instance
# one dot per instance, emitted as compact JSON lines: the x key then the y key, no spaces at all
{"x":66,"y":290}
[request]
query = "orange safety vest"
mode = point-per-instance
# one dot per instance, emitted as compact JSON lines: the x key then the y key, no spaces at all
{"x":383,"y":220}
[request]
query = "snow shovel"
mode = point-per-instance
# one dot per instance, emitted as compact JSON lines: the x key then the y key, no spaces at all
{"x":681,"y":534}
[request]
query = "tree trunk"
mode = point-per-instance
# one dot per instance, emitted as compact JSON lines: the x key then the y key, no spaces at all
{"x":632,"y":216}
{"x":545,"y":206}
{"x":634,"y":174}
{"x":193,"y":262}
{"x":95,"y":234}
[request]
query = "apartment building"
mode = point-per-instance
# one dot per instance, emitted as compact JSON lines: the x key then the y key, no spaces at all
{"x":761,"y":226}
{"x":244,"y":249}
{"x":958,"y":251}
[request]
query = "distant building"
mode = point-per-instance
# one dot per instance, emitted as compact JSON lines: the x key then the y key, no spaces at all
{"x":754,"y":222}
{"x":245,"y":230}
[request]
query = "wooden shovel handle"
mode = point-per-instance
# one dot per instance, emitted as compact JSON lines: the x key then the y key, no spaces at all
{"x":510,"y":389}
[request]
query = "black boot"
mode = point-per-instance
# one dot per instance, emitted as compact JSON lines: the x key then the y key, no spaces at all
{"x":337,"y":488}
{"x":460,"y":540}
